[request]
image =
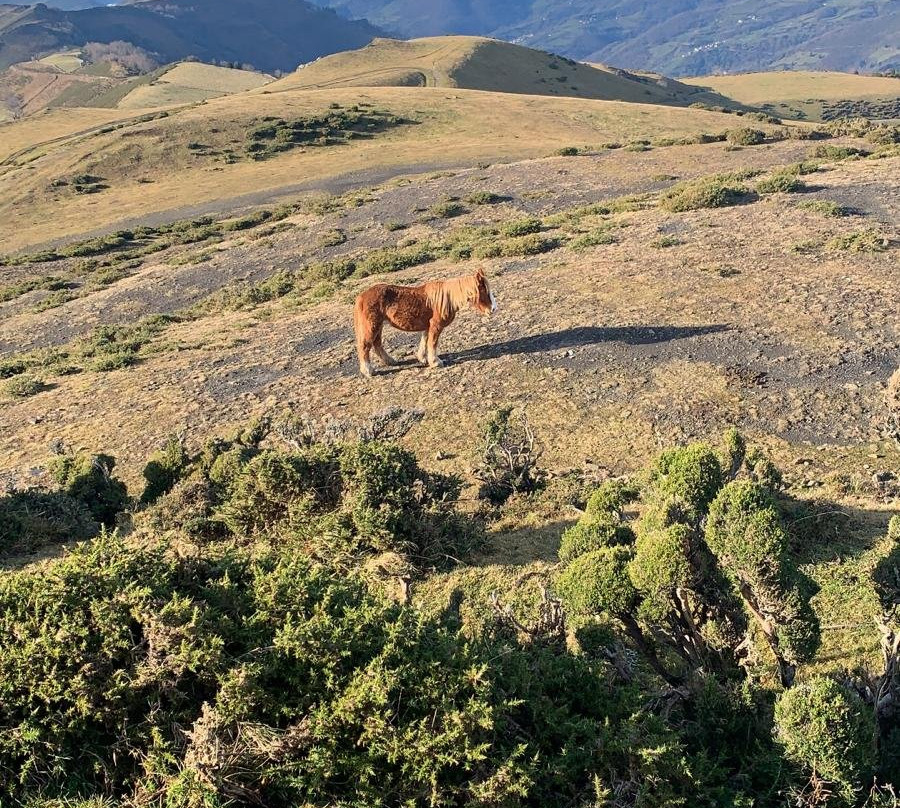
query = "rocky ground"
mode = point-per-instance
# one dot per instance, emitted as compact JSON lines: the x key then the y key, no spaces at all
{"x":748,"y":318}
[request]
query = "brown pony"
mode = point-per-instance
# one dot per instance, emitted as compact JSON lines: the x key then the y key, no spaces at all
{"x":427,"y":309}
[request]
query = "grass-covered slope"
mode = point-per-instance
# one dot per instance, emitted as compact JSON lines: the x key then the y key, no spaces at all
{"x":812,"y":95}
{"x":475,"y":63}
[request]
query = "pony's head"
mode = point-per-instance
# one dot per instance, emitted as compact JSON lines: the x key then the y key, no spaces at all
{"x":483,"y":301}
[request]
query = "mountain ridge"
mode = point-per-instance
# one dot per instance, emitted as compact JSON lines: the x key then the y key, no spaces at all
{"x":280,"y":35}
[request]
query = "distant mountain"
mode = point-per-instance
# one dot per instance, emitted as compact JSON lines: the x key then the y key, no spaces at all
{"x":268,"y":34}
{"x":675,"y":37}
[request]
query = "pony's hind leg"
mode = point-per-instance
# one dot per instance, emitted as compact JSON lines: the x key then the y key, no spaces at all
{"x":364,"y":342}
{"x":380,"y":352}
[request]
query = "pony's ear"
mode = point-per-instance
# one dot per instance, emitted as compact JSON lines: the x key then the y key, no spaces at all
{"x":479,"y":273}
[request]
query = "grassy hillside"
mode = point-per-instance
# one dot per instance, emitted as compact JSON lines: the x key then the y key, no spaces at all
{"x":674,"y":38}
{"x":634,"y":544}
{"x":808,"y":94}
{"x":278,"y":34}
{"x":180,"y":162}
{"x":475,"y":63}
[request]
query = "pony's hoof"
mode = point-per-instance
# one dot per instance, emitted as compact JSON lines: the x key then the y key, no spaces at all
{"x":436,"y":363}
{"x":421,"y":360}
{"x":366,"y":372}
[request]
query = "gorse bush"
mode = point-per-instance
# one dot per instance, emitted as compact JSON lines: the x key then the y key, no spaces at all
{"x":243,"y":641}
{"x":830,"y":732}
{"x":745,"y":136}
{"x":717,"y":191}
{"x":89,"y":480}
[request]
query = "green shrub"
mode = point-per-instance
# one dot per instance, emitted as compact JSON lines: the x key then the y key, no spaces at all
{"x":393,"y":259}
{"x":894,"y":528}
{"x":830,"y":732}
{"x":745,"y":533}
{"x":23,"y":386}
{"x":522,"y":227}
{"x":447,"y":209}
{"x":823,"y":207}
{"x":836,"y":154}
{"x":522,"y":246}
{"x":692,"y":475}
{"x":595,"y":238}
{"x":206,"y":676}
{"x":745,"y":136}
{"x":164,"y":469}
{"x":660,"y":566}
{"x":484,"y":198}
{"x":333,"y":238}
{"x":601,"y":525}
{"x":598,"y":583}
{"x":662,"y":242}
{"x":780,"y":182}
{"x":717,"y":191}
{"x":32,"y":518}
{"x":869,"y":240}
{"x":88,"y":479}
{"x":567,"y":151}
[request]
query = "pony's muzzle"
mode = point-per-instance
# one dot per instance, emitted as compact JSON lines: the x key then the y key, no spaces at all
{"x":494,"y":305}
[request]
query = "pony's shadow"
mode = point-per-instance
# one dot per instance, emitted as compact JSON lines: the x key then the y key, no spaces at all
{"x":583,"y":336}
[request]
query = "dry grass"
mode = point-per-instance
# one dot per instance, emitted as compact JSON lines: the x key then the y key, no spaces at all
{"x":454,"y":126}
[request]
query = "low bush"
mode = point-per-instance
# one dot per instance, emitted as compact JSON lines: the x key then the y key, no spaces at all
{"x":780,"y":182}
{"x":22,"y":385}
{"x":824,"y":207}
{"x":89,"y":479}
{"x":448,"y":209}
{"x":484,"y":198}
{"x":32,"y":518}
{"x":596,"y":238}
{"x":830,"y":732}
{"x":522,"y":227}
{"x":745,"y":136}
{"x":717,"y":191}
{"x":836,"y":154}
{"x":869,"y":240}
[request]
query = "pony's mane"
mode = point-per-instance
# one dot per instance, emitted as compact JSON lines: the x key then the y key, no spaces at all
{"x":449,"y":296}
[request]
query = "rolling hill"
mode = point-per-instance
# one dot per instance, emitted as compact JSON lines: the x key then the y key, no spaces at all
{"x":476,"y":63}
{"x":682,"y":37}
{"x":810,"y":95}
{"x":278,"y":35}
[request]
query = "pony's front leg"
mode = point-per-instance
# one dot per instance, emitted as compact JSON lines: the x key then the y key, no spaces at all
{"x":422,"y":350}
{"x":434,"y":334}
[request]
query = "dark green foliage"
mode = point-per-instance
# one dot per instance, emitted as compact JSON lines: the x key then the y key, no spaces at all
{"x":164,"y":469}
{"x":23,"y":386}
{"x":717,"y":191}
{"x":447,"y":209}
{"x":598,"y":582}
{"x":827,"y":729}
{"x":522,"y":227}
{"x":484,"y":198}
{"x":601,"y":525}
{"x":745,"y":136}
{"x":32,"y":518}
{"x":88,"y":479}
{"x":327,"y":129}
{"x":692,"y":475}
{"x":780,"y":182}
{"x":835,"y":154}
{"x":745,"y":533}
{"x":208,"y":678}
{"x":661,"y":565}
